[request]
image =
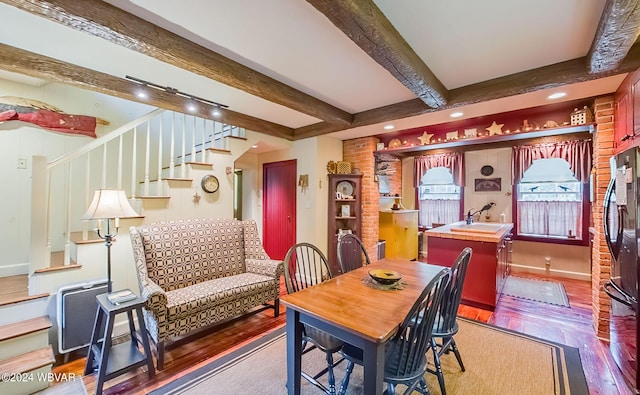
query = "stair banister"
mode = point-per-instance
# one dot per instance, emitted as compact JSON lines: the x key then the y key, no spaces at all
{"x":204,"y":139}
{"x":183,"y":168}
{"x":47,"y":169}
{"x":134,"y":162}
{"x":120,"y":170}
{"x":193,"y":141}
{"x":172,"y":162}
{"x":159,"y":190}
{"x":102,"y":140}
{"x":147,"y":150}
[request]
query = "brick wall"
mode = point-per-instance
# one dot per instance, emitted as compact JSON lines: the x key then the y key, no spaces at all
{"x":601,"y":259}
{"x":360,"y":153}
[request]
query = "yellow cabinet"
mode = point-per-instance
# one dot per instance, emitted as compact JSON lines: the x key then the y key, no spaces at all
{"x":399,"y":228}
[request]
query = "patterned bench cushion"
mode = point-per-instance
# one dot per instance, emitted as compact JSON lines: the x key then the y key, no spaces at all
{"x":180,"y":254}
{"x":189,"y":301}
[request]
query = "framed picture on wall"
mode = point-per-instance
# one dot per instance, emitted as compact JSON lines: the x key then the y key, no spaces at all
{"x":488,"y":184}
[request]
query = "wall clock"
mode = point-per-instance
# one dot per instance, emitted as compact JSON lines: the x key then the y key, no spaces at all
{"x":486,"y":170}
{"x":209,"y":183}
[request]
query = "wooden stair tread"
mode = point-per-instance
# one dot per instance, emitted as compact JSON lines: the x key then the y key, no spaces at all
{"x":237,"y":137}
{"x":9,"y":301}
{"x":29,"y":361}
{"x":178,"y":179}
{"x":199,"y":164}
{"x":150,"y":198}
{"x":92,"y":237}
{"x":220,"y":150}
{"x":57,"y":268}
{"x":21,"y":328}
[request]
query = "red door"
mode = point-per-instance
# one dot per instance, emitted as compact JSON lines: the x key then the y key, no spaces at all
{"x":279,"y":207}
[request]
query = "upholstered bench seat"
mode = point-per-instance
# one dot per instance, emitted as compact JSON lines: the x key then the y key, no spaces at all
{"x":199,"y":272}
{"x":235,"y":292}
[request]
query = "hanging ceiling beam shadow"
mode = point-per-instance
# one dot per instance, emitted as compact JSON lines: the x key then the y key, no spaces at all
{"x":364,"y":23}
{"x":34,"y":65}
{"x":617,"y":32}
{"x":555,"y":75}
{"x":103,"y":20}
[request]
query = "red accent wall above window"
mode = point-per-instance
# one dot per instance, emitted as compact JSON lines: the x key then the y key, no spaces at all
{"x":513,"y":120}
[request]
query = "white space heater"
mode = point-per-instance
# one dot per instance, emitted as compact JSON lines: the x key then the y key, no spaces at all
{"x":76,"y":314}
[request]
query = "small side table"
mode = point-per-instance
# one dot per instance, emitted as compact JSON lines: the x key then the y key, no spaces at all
{"x":114,"y":360}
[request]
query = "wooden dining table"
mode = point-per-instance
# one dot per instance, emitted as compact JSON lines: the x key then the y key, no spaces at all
{"x":355,"y":312}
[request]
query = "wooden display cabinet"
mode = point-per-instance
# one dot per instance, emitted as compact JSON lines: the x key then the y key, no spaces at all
{"x":344,"y":213}
{"x":627,"y":113}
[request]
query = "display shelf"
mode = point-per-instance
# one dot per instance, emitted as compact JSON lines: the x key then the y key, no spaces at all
{"x":501,"y":138}
{"x":336,"y":221}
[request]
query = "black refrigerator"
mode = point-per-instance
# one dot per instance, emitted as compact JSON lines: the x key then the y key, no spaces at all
{"x":622,"y":233}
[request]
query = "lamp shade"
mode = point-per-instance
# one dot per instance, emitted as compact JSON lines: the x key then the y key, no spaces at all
{"x":109,"y":203}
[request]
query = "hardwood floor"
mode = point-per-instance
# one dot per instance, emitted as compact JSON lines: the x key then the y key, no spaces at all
{"x":571,"y":326}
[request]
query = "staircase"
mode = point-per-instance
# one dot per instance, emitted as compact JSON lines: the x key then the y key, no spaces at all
{"x":26,"y":357}
{"x":158,"y":160}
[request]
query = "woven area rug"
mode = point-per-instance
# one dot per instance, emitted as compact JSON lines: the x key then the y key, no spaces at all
{"x":550,"y":292}
{"x":497,"y":361}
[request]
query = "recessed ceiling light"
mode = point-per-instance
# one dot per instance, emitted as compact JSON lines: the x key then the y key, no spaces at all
{"x":388,"y":127}
{"x":456,"y":114}
{"x":191,"y":108}
{"x":254,"y":146}
{"x":142,"y":94}
{"x":556,"y":95}
{"x":216,"y":112}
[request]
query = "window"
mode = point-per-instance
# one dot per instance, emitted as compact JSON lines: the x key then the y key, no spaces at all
{"x":438,"y":198}
{"x":550,"y":201}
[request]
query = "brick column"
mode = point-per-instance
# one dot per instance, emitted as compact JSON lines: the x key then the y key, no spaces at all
{"x":600,"y":257}
{"x":360,"y":153}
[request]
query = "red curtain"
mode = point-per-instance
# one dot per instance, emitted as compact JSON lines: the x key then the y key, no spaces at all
{"x":577,"y":153}
{"x":453,"y":161}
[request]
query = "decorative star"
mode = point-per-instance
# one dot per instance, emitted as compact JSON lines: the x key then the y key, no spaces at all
{"x":425,"y":138}
{"x":196,"y":198}
{"x":495,"y":128}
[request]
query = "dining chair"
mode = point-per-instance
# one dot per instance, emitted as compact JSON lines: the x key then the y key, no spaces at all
{"x":445,"y":325}
{"x":351,"y":253}
{"x":305,"y":266}
{"x":406,"y":352}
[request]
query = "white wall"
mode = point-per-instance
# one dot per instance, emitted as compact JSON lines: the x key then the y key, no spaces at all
{"x":500,"y":160}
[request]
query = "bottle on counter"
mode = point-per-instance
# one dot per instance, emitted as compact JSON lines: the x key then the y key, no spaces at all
{"x":503,"y":217}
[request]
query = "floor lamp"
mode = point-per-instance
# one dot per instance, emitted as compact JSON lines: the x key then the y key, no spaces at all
{"x":109,"y":204}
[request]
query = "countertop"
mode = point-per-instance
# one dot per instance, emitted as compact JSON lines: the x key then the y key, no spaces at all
{"x":461,"y":231}
{"x":398,"y":211}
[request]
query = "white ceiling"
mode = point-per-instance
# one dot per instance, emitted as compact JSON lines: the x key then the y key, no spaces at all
{"x":463,"y":42}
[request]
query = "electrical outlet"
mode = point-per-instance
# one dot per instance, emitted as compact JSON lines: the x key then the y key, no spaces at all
{"x":22,"y":163}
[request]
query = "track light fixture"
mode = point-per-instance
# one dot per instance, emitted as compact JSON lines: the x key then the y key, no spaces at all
{"x":191,"y":107}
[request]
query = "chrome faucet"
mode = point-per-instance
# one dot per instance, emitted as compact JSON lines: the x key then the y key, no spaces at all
{"x":470,"y":215}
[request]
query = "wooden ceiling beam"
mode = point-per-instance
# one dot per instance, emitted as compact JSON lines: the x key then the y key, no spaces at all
{"x":103,"y":20}
{"x":28,"y":63}
{"x":559,"y":74}
{"x":617,"y":31}
{"x":364,"y":23}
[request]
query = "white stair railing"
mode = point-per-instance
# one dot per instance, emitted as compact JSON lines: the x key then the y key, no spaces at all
{"x":113,"y":161}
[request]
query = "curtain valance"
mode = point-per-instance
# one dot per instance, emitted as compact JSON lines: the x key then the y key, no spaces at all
{"x":577,"y":153}
{"x":454,"y":161}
